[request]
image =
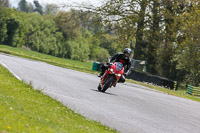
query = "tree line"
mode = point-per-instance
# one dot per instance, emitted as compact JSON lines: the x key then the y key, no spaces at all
{"x":66,"y":34}
{"x":164,"y":33}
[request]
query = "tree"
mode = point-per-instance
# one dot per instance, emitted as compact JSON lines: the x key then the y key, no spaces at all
{"x":69,"y":24}
{"x":3,"y":29}
{"x":31,"y":7}
{"x":4,"y":3}
{"x":154,"y":38}
{"x":153,"y":24}
{"x":51,"y":9}
{"x":188,"y":51}
{"x":12,"y":26}
{"x":78,"y":49}
{"x":121,"y":18}
{"x":109,"y":43}
{"x":38,"y":7}
{"x":23,"y":6}
{"x":42,"y":35}
{"x":141,"y":44}
{"x":170,"y":31}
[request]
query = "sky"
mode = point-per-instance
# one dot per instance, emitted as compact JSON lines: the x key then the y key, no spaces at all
{"x":44,"y":2}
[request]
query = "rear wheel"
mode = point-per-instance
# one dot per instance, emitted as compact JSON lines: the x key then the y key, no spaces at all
{"x":108,"y":83}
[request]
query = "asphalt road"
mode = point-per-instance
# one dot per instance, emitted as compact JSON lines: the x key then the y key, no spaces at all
{"x":127,"y":108}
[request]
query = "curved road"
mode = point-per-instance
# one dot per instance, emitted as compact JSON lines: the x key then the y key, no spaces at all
{"x":127,"y":108}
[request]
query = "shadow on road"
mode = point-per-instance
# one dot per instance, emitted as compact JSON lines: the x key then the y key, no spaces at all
{"x":104,"y":92}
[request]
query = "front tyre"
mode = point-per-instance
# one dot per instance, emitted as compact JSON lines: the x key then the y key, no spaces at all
{"x":99,"y":87}
{"x":108,"y":83}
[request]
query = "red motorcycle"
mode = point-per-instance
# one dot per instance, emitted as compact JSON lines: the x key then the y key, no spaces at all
{"x":111,"y":76}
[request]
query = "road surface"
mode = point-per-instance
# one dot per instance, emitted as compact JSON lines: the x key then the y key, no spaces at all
{"x":127,"y":108}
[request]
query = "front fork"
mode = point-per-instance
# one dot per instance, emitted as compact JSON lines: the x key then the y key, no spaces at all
{"x":105,"y":76}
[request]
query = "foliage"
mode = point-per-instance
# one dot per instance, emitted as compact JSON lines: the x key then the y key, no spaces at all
{"x":42,"y":35}
{"x":3,"y":26}
{"x":81,"y":44}
{"x":4,"y":3}
{"x":159,"y":30}
{"x":110,"y":43}
{"x":38,"y":7}
{"x":162,"y":32}
{"x":100,"y":54}
{"x":23,"y":6}
{"x":188,"y":53}
{"x":62,"y":62}
{"x":69,"y":24}
{"x":13,"y":27}
{"x":31,"y":7}
{"x":51,"y":9}
{"x":78,"y":49}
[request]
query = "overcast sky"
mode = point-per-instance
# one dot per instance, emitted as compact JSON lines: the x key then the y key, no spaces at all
{"x":44,"y":2}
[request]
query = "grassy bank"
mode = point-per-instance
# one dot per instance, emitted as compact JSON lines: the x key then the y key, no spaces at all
{"x":83,"y":66}
{"x":179,"y":93}
{"x":66,"y":63}
{"x":23,"y":109}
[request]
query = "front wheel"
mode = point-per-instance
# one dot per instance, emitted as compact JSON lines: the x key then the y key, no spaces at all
{"x":108,"y":83}
{"x":99,"y":87}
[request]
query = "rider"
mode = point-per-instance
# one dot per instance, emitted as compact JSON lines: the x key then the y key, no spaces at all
{"x":124,"y":58}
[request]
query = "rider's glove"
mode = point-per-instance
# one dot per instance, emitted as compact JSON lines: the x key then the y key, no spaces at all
{"x":108,"y":63}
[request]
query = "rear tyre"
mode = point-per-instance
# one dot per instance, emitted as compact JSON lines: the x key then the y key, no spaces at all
{"x":108,"y":83}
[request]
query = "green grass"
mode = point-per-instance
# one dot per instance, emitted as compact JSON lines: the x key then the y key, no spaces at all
{"x":83,"y":66}
{"x":180,"y":93}
{"x":23,"y":109}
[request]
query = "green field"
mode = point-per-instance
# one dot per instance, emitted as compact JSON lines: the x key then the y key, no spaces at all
{"x":23,"y":109}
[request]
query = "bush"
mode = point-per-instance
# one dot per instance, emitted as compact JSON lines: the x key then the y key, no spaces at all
{"x":78,"y":49}
{"x":100,"y":54}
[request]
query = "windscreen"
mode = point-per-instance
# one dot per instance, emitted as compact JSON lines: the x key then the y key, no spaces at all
{"x":119,"y":66}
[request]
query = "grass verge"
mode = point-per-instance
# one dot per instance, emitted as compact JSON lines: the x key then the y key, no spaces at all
{"x":62,"y":62}
{"x":179,"y":93}
{"x":84,"y":67}
{"x":23,"y":109}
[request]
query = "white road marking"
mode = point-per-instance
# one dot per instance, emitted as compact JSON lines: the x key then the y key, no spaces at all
{"x":10,"y":71}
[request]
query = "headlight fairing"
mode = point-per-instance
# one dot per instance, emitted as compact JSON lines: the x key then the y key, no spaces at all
{"x":119,"y":75}
{"x":112,"y":70}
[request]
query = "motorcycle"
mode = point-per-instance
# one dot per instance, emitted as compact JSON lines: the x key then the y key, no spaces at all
{"x":111,"y":76}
